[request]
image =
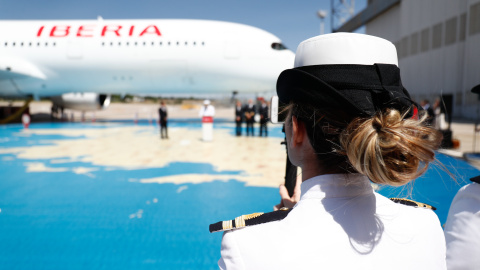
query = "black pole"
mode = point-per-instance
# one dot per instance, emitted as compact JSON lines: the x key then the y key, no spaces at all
{"x":290,"y":177}
{"x":290,"y":171}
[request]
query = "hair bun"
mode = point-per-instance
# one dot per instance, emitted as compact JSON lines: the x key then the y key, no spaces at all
{"x":390,"y":149}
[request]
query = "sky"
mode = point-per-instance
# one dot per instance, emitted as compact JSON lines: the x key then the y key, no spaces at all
{"x":291,"y":21}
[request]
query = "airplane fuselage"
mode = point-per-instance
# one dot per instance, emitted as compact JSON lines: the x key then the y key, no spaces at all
{"x":47,"y":58}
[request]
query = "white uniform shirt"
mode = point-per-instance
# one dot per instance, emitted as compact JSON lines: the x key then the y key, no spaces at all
{"x":208,"y":111}
{"x":340,"y":223}
{"x":462,"y":230}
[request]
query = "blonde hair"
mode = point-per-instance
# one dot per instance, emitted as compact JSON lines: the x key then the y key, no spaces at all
{"x":390,"y":149}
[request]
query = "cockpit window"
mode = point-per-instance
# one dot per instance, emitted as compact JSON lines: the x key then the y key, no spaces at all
{"x":278,"y":46}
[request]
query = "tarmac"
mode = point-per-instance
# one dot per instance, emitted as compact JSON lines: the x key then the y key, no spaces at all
{"x":265,"y":156}
{"x":463,"y":129}
{"x":124,"y":111}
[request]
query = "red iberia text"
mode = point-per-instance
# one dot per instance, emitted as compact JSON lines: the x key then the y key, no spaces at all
{"x":91,"y":30}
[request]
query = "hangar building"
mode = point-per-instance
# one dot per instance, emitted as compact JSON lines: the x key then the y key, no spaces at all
{"x":438,"y":45}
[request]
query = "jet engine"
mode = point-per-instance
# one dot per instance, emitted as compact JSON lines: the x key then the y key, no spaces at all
{"x":82,"y":101}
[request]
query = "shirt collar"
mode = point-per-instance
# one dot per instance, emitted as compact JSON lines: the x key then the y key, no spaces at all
{"x":336,"y":185}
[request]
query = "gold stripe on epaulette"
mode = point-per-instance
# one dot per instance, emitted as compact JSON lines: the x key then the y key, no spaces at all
{"x":414,"y":203}
{"x":239,"y":221}
{"x":424,"y":205}
{"x":227,"y":225}
{"x":250,"y":216}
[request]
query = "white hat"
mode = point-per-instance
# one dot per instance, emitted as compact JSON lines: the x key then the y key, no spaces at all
{"x":206,"y":102}
{"x":356,"y":73}
{"x":345,"y":48}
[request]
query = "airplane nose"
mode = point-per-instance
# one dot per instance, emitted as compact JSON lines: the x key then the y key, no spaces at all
{"x":289,"y":59}
{"x":285,"y":61}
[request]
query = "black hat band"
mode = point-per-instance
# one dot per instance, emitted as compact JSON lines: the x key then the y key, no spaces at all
{"x":361,"y":90}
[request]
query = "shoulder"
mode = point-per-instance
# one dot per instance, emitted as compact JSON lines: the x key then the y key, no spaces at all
{"x":417,"y":226}
{"x":465,"y":206}
{"x":242,"y":245}
{"x":470,"y":192}
{"x":462,"y":232}
{"x":414,"y":217}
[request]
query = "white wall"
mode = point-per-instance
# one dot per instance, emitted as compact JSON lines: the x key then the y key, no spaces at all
{"x":449,"y":69}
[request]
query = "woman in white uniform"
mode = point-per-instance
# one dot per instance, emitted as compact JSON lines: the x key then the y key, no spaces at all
{"x":349,"y":124}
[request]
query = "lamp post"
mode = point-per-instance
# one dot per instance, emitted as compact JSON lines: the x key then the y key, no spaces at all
{"x":322,"y":14}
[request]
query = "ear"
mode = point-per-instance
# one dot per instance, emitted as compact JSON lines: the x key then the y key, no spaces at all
{"x":298,"y":131}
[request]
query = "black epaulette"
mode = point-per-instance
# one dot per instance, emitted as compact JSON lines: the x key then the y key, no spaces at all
{"x":412,"y":203}
{"x":249,"y":220}
{"x":475,"y":179}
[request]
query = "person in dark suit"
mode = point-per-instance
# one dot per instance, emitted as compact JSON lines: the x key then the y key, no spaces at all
{"x":430,"y":113}
{"x":162,"y":111}
{"x":249,"y":112}
{"x":263,"y":111}
{"x":238,"y":118}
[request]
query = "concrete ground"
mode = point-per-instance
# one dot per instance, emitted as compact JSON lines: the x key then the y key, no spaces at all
{"x":123,"y":111}
{"x":463,"y":130}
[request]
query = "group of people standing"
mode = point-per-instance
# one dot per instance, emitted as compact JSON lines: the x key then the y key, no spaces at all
{"x":207,"y":112}
{"x":436,"y":114}
{"x":246,"y":113}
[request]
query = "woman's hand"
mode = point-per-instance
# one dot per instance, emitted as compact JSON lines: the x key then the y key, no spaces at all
{"x":286,"y":200}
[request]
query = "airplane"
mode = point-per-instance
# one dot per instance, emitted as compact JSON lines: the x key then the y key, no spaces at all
{"x":83,"y":62}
